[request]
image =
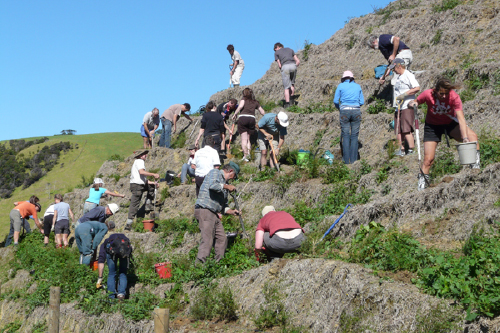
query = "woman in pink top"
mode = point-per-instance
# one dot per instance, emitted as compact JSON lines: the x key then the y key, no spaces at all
{"x":444,"y":116}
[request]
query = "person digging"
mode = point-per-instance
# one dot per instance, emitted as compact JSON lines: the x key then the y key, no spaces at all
{"x":138,"y":185}
{"x":272,"y":130}
{"x":99,"y":214}
{"x":88,"y":235}
{"x":211,"y":203}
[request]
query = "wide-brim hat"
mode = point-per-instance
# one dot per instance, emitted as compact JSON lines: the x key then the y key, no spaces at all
{"x":139,"y":153}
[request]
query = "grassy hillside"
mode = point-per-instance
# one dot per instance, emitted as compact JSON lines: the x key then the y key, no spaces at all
{"x":93,"y":150}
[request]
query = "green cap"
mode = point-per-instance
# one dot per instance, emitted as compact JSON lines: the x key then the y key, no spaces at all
{"x":235,"y":167}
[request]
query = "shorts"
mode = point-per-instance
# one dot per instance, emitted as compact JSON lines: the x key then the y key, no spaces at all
{"x":246,"y":124}
{"x":433,"y":133}
{"x":47,"y":224}
{"x":264,"y":144}
{"x":407,"y":121}
{"x":288,"y":73}
{"x":16,"y":220}
{"x":62,"y":227}
{"x":143,"y":132}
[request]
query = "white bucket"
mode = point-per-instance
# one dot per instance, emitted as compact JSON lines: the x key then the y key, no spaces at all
{"x":467,"y":152}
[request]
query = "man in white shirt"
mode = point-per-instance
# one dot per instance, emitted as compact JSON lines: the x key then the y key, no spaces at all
{"x":237,"y":66}
{"x":205,"y":159}
{"x":140,"y":184}
{"x":405,"y":87}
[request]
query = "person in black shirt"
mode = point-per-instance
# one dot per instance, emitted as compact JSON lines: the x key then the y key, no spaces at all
{"x":212,"y":124}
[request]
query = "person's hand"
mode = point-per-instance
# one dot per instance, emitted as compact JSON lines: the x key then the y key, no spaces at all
{"x":123,"y":195}
{"x":269,"y":137}
{"x":178,"y":175}
{"x":233,"y":118}
{"x":401,"y":97}
{"x":41,"y":230}
{"x":219,"y":215}
{"x":391,"y":58}
{"x":413,"y":103}
{"x":466,"y":140}
{"x":234,"y":212}
{"x":277,"y":152}
{"x":98,"y":285}
{"x":231,"y":72}
{"x":381,"y":81}
{"x":175,"y":129}
{"x":231,"y":188}
{"x":156,"y":175}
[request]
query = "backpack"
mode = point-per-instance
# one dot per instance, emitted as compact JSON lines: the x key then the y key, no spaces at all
{"x":119,"y":247}
{"x":380,"y":70}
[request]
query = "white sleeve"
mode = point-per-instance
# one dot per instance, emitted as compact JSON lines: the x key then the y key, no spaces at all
{"x":215,"y":158}
{"x":413,"y":81}
{"x":140,"y":164}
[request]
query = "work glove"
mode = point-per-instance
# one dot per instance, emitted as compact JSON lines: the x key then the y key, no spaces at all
{"x":53,"y":226}
{"x":401,"y":97}
{"x":98,"y":285}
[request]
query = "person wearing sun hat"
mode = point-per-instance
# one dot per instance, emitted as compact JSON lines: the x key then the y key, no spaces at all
{"x":140,"y":184}
{"x":348,"y":99}
{"x":272,"y":130}
{"x":95,"y":193}
{"x":277,"y":233}
{"x":211,"y":203}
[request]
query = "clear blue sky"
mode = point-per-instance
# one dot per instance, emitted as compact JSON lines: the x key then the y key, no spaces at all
{"x":99,"y":66}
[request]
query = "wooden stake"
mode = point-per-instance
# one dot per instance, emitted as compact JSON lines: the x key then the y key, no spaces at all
{"x":54,"y":309}
{"x":161,"y":317}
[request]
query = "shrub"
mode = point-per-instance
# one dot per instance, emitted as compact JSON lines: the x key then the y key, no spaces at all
{"x":437,"y":37}
{"x":378,"y":107}
{"x":335,"y":173}
{"x":214,"y":302}
{"x":490,"y":147}
{"x":179,"y":141}
{"x":116,"y":157}
{"x":446,"y":5}
{"x":272,"y":312}
{"x":445,"y":163}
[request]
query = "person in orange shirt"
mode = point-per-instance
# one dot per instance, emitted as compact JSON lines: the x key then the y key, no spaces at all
{"x":22,"y":211}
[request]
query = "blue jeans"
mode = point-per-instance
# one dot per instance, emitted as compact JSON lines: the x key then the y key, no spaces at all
{"x":186,"y":170}
{"x":88,"y":206}
{"x":350,"y":119}
{"x":122,"y":275}
{"x":166,"y":134}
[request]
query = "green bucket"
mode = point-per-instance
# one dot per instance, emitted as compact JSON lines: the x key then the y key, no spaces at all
{"x":302,"y":157}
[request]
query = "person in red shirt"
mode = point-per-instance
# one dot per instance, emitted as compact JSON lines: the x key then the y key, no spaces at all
{"x":277,"y":233}
{"x":444,"y":116}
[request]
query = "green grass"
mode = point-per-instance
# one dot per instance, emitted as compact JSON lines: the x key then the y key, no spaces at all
{"x":93,"y":150}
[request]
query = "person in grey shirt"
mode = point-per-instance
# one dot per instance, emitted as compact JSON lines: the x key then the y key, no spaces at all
{"x":287,"y":63}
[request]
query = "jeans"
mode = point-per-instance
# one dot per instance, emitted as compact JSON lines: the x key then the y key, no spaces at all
{"x":166,"y":134}
{"x":88,"y":206}
{"x":122,"y":275}
{"x":186,"y":170}
{"x":350,"y":119}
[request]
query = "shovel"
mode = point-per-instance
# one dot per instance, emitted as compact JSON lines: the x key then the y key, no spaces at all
{"x":233,"y":194}
{"x":196,"y":123}
{"x":417,"y":136}
{"x":274,"y":155}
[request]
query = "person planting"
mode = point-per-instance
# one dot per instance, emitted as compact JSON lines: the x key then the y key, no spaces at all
{"x":444,"y":116}
{"x":99,"y":214}
{"x":272,"y":131}
{"x":22,"y":211}
{"x":95,"y":193}
{"x":88,"y":235}
{"x":186,"y":167}
{"x":115,"y":249}
{"x":211,"y":203}
{"x":277,"y":233}
{"x":61,"y":221}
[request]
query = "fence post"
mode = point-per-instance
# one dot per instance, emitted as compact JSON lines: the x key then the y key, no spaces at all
{"x":54,"y":307}
{"x":161,"y":317}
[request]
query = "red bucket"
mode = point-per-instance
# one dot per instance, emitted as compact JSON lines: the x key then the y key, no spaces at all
{"x":94,"y":265}
{"x":164,"y":270}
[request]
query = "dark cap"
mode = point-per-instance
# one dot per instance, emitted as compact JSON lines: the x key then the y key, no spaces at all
{"x":395,"y":62}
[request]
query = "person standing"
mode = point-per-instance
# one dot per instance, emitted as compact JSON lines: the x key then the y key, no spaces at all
{"x":22,"y":211}
{"x":205,"y":159}
{"x":150,"y":123}
{"x":277,"y":233}
{"x":116,"y":251}
{"x":138,"y":185}
{"x":445,"y":115}
{"x":272,"y":130}
{"x":169,"y":119}
{"x":236,"y":67}
{"x":48,"y":219}
{"x":287,"y":62}
{"x":405,"y":87}
{"x":391,"y":47}
{"x":88,"y":235}
{"x":212,"y":124}
{"x":348,"y":99}
{"x":246,"y":121}
{"x":62,"y":211}
{"x":95,"y":194}
{"x":211,"y":203}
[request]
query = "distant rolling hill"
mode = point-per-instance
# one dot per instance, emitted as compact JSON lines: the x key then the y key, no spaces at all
{"x":93,"y":150}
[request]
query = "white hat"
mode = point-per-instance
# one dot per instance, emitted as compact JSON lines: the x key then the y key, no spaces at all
{"x":98,"y":181}
{"x":283,"y":118}
{"x":267,"y":209}
{"x":113,"y":208}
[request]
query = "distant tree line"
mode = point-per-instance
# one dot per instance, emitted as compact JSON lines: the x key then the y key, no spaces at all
{"x":67,"y":132}
{"x":16,"y":169}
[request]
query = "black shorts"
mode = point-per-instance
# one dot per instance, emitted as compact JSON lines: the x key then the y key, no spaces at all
{"x":62,"y":227}
{"x":246,"y":124}
{"x":47,"y":224}
{"x":433,"y":133}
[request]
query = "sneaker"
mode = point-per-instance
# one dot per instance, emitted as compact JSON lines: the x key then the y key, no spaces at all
{"x":245,"y":159}
{"x":128,"y":227}
{"x":422,"y":181}
{"x":399,"y":152}
{"x":477,"y":165}
{"x":409,"y":152}
{"x":120,"y":297}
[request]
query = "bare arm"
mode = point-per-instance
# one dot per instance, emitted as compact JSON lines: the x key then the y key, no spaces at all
{"x":395,"y":43}
{"x":145,"y":173}
{"x":202,"y":130}
{"x":146,"y":129}
{"x":261,"y":110}
{"x":297,"y":61}
{"x":240,"y":106}
{"x":188,"y":117}
{"x":72,"y":216}
{"x":279,"y":63}
{"x":100,"y":269}
{"x":259,"y":239}
{"x":114,"y":194}
{"x":54,"y":219}
{"x":463,"y":125}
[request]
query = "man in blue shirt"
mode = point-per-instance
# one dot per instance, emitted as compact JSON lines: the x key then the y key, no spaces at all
{"x":211,"y":203}
{"x":272,"y":128}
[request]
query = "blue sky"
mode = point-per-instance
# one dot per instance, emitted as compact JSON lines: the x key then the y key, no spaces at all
{"x":99,"y":66}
